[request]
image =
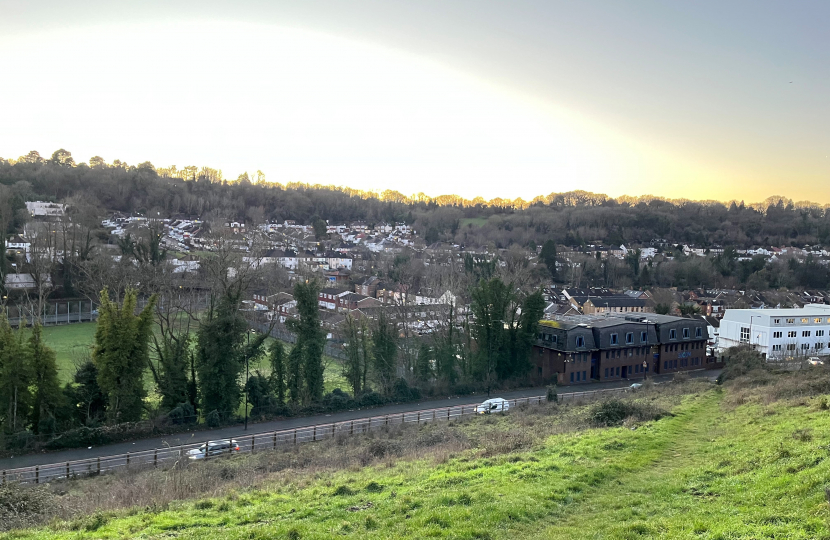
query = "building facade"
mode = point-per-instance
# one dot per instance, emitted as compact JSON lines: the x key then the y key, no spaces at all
{"x":595,"y":348}
{"x":778,"y":333}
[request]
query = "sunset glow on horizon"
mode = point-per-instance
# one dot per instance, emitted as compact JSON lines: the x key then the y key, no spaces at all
{"x":309,"y":106}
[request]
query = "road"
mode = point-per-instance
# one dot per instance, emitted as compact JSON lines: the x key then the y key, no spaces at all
{"x":184,"y":438}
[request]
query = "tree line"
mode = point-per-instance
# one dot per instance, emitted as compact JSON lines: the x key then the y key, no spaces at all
{"x":573,"y":218}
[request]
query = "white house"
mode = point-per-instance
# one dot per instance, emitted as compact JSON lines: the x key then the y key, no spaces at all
{"x":778,"y":333}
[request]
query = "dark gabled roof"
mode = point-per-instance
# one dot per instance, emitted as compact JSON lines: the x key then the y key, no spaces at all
{"x":616,"y":301}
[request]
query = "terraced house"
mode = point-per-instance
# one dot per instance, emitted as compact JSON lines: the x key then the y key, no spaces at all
{"x":594,"y":348}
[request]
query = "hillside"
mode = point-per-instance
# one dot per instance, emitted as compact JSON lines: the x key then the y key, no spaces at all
{"x":691,"y":460}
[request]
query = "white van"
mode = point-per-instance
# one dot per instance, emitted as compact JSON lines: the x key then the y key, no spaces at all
{"x":493,"y":406}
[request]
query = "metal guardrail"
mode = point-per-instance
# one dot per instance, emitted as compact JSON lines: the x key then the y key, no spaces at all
{"x":257,"y":442}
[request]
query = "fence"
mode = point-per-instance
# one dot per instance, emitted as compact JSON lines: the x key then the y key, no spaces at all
{"x":268,"y":440}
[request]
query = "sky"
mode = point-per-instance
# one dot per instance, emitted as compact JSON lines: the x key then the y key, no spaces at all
{"x":699,"y":100}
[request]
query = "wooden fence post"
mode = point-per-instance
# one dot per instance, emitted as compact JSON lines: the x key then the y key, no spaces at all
{"x":314,"y":434}
{"x":351,"y":428}
{"x":37,"y":469}
{"x":128,"y":459}
{"x":419,"y":417}
{"x":253,"y":443}
{"x":99,"y":465}
{"x":67,"y":470}
{"x":295,"y":435}
{"x":275,"y":440}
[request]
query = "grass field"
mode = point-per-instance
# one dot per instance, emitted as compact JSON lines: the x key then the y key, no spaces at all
{"x":73,"y":342}
{"x":475,"y":222}
{"x":723,"y":464}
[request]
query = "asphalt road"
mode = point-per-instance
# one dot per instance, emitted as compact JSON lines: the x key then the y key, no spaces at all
{"x":177,"y":439}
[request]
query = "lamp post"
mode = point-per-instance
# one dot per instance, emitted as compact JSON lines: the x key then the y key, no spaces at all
{"x":750,"y":330}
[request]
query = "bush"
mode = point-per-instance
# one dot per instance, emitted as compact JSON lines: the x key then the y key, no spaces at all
{"x":183,"y":413}
{"x":741,"y":361}
{"x":338,"y":400}
{"x":23,"y":506}
{"x":213,"y":419}
{"x":371,"y":399}
{"x":401,"y":391}
{"x":552,"y":395}
{"x":614,"y":411}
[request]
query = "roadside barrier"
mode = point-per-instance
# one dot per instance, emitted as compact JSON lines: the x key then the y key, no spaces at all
{"x":259,"y":442}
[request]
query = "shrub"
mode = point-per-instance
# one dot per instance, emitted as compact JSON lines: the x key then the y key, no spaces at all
{"x":401,"y":391}
{"x":183,"y":413}
{"x":614,"y":411}
{"x":23,"y":506}
{"x":213,"y":419}
{"x":740,"y":361}
{"x":338,"y":400}
{"x":371,"y":399}
{"x":552,"y":395}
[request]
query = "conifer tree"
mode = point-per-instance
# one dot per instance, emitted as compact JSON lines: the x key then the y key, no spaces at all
{"x":121,"y":354}
{"x":15,"y":378}
{"x":47,"y":397}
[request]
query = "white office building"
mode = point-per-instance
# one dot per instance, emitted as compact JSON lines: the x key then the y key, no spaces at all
{"x":778,"y":333}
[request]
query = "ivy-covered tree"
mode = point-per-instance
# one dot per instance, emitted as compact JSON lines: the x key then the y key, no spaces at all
{"x":384,"y":351}
{"x":221,"y":352}
{"x":15,"y":378}
{"x":121,"y":354}
{"x":46,"y":395}
{"x":219,"y":357}
{"x":548,"y":257}
{"x":356,"y":365}
{"x":276,"y":357}
{"x":174,"y":357}
{"x":310,"y":341}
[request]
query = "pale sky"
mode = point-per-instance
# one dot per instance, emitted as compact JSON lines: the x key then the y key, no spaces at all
{"x":700,"y":100}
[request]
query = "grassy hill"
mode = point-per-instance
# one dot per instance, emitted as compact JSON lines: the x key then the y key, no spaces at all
{"x":688,"y":461}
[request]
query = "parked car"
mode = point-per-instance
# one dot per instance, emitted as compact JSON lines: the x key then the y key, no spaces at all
{"x":636,"y":385}
{"x":815,"y":361}
{"x":214,"y":448}
{"x":493,"y":406}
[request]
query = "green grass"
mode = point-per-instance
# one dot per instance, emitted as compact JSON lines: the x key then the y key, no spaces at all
{"x":712,"y":470}
{"x":475,"y":222}
{"x":71,"y":343}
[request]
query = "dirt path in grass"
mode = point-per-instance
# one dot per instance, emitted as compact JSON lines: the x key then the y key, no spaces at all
{"x":621,"y":507}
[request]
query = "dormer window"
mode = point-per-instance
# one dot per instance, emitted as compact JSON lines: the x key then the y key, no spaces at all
{"x":672,"y":334}
{"x":614,"y":339}
{"x":685,"y":333}
{"x":629,"y":338}
{"x":643,"y":337}
{"x":580,"y":342}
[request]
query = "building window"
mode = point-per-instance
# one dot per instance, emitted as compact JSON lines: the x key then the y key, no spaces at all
{"x":606,"y":372}
{"x":613,"y":339}
{"x":572,"y":377}
{"x":744,"y":334}
{"x":643,"y":337}
{"x":777,"y":334}
{"x":790,"y":321}
{"x":805,"y":333}
{"x":584,"y":375}
{"x":577,"y":376}
{"x":685,"y":333}
{"x":629,"y":337}
{"x":672,"y":334}
{"x":580,"y":341}
{"x":791,"y":346}
{"x":777,"y":321}
{"x":805,"y":320}
{"x":805,"y":346}
{"x":665,"y":364}
{"x":817,"y":320}
{"x":819,"y":333}
{"x":698,"y":332}
{"x":791,"y":333}
{"x":776,"y":347}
